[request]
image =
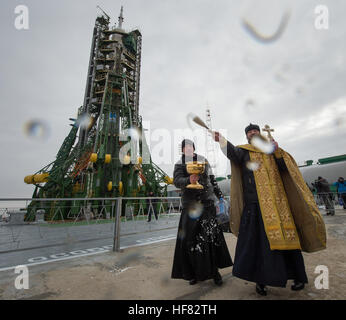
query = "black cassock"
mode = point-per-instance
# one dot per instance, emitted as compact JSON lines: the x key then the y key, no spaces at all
{"x":253,"y":260}
{"x":200,"y":247}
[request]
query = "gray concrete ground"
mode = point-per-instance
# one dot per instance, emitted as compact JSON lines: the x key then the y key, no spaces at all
{"x":144,"y":273}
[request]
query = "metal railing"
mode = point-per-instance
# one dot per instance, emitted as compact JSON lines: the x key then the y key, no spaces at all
{"x":330,"y":200}
{"x":27,"y":223}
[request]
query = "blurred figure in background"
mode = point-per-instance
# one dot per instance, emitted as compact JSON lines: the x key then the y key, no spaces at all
{"x":324,"y":193}
{"x":341,"y":190}
{"x":151,"y":203}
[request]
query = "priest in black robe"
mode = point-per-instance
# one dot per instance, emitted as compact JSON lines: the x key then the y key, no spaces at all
{"x":200,"y":248}
{"x":273,"y":214}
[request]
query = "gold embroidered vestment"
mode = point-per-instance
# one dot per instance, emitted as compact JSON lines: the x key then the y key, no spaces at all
{"x":290,"y":215}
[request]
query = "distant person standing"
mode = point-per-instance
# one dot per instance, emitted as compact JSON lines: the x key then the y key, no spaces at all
{"x":341,"y":190}
{"x":323,"y":191}
{"x":151,"y":206}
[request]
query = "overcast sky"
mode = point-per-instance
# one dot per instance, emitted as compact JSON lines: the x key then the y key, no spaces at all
{"x":194,"y":53}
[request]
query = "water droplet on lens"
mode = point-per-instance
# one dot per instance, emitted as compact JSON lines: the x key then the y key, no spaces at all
{"x":181,"y":234}
{"x":127,"y":258}
{"x":36,"y":129}
{"x":252,"y":165}
{"x":165,"y":281}
{"x":340,"y":122}
{"x":84,"y":121}
{"x":195,"y":211}
{"x":262,"y":144}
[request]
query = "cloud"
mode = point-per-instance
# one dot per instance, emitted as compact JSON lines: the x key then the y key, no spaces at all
{"x":329,"y":121}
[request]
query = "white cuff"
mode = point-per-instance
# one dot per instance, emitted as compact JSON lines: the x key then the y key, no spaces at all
{"x":222,"y":142}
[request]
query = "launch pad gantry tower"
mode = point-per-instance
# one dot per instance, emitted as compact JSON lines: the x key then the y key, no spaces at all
{"x":105,"y":154}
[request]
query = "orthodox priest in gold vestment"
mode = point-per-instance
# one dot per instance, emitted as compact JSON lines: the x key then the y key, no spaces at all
{"x":272,"y":212}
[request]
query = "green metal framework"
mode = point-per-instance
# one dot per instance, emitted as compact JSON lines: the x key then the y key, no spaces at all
{"x":96,"y":165}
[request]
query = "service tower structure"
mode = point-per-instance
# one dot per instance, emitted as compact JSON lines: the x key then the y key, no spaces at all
{"x":105,"y":154}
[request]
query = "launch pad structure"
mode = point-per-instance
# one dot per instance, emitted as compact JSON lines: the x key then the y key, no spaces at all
{"x":105,"y":154}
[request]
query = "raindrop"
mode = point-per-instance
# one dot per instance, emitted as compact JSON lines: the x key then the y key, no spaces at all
{"x":252,"y":165}
{"x":134,"y":133}
{"x":340,"y":122}
{"x":165,"y":280}
{"x":250,"y":105}
{"x":299,"y":90}
{"x":37,"y":129}
{"x":181,"y":234}
{"x":267,"y":39}
{"x":125,"y":260}
{"x":195,"y":210}
{"x":262,"y":144}
{"x":280,"y":78}
{"x":84,"y":121}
